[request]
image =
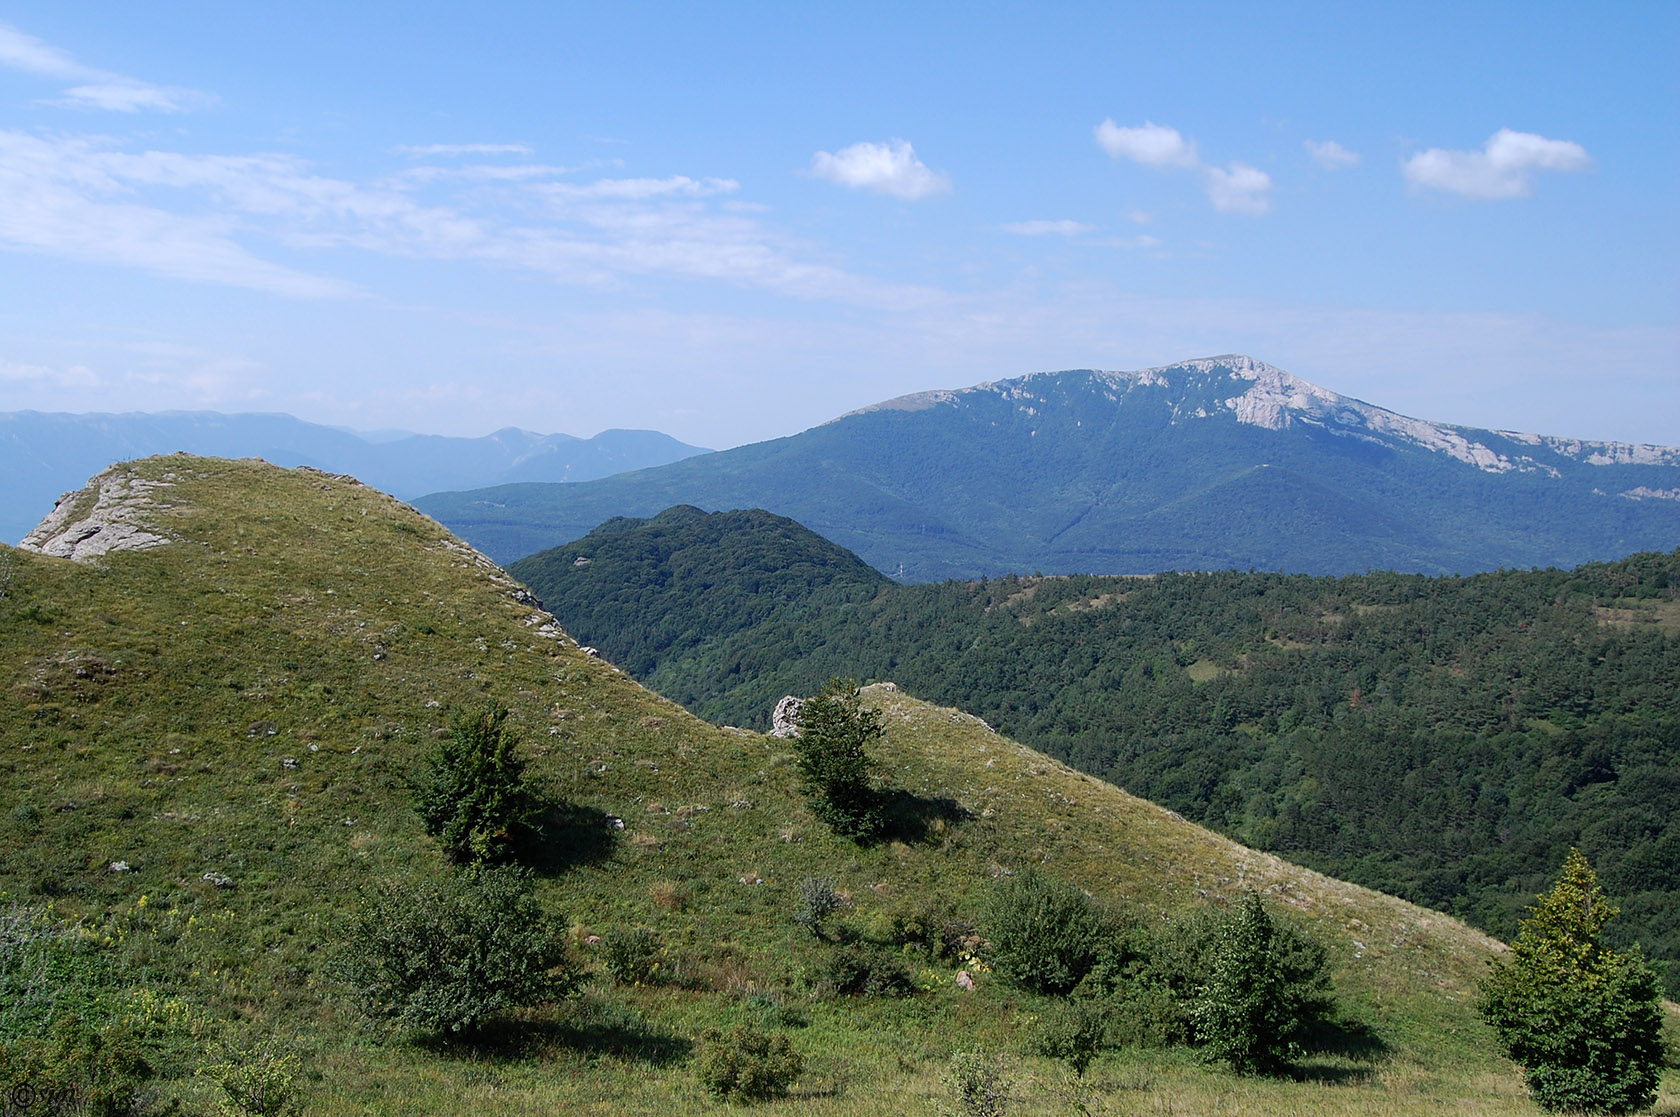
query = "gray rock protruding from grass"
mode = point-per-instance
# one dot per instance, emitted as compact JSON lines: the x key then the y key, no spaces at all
{"x":108,"y":514}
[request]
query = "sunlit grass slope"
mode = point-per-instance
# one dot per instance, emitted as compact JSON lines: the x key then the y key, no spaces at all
{"x":233,"y":717}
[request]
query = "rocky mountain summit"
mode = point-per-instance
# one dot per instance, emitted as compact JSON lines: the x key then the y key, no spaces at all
{"x":1207,"y":464}
{"x":1262,"y":395}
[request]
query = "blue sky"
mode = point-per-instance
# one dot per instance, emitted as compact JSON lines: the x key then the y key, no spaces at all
{"x":731,"y":222}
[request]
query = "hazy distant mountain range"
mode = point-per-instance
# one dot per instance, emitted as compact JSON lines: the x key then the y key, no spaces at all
{"x":43,"y":455}
{"x":1208,"y":464}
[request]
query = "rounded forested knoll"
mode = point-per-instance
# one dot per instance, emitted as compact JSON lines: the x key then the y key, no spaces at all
{"x":686,"y":576}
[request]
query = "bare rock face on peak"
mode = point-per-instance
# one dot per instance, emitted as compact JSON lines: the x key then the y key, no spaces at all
{"x":110,"y":513}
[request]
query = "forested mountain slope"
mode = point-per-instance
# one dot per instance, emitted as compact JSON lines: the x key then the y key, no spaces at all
{"x":1444,"y":739}
{"x":1205,"y":465}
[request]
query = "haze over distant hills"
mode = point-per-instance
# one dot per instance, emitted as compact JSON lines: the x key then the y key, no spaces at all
{"x":1207,"y":464}
{"x":45,"y":454}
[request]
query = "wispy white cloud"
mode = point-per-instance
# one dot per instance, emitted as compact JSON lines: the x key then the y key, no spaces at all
{"x":208,"y":218}
{"x":1046,"y":228}
{"x":1503,"y":168}
{"x":1239,"y":188}
{"x":477,"y":172}
{"x":100,"y":89}
{"x":642,"y":188}
{"x":1235,"y":188}
{"x":436,"y":151}
{"x":133,"y":96}
{"x":69,"y":198}
{"x":1153,"y":145}
{"x":46,"y":376}
{"x":29,"y":54}
{"x":889,"y":168}
{"x":1331,"y":155}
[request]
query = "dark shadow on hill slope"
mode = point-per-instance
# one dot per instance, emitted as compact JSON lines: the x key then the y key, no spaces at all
{"x":914,"y":819}
{"x":598,"y":1029}
{"x":567,"y":836}
{"x":1340,"y":1052}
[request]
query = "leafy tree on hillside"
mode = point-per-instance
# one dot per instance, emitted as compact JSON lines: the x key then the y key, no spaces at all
{"x":1268,"y":987}
{"x":835,"y":732}
{"x":472,"y":797}
{"x":1583,"y":1020}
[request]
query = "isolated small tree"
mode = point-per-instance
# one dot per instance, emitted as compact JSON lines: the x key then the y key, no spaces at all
{"x":978,"y":1084}
{"x":1042,"y":934}
{"x":817,"y":901}
{"x":835,"y":732}
{"x":1267,"y":987}
{"x":472,"y":796}
{"x":1584,"y":1021}
{"x":443,"y":956}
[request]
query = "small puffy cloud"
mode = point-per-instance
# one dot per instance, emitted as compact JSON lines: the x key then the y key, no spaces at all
{"x":889,"y":168}
{"x":1236,"y":188}
{"x":1046,"y":228}
{"x":1153,"y":145}
{"x":1331,"y":155}
{"x":1239,"y":188}
{"x":100,"y":89}
{"x":1503,"y":168}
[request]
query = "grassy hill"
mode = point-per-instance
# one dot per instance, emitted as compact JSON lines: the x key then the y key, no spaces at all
{"x":1443,"y":739}
{"x":206,"y":754}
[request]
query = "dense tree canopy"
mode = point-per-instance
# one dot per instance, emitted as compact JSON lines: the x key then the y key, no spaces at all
{"x":1443,"y":739}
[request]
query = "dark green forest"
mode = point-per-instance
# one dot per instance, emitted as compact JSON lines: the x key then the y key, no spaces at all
{"x":1445,"y":739}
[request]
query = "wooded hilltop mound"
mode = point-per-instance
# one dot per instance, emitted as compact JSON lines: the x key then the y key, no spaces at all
{"x":208,"y":753}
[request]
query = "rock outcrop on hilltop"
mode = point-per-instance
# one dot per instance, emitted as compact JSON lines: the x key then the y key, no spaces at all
{"x":109,"y":513}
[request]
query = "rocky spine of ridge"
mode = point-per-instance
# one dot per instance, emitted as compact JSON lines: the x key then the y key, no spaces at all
{"x":1266,"y":396}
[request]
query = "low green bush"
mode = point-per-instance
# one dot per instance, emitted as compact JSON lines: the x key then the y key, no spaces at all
{"x":817,"y":901}
{"x":977,"y":1084}
{"x":862,"y":969}
{"x":1042,"y":933}
{"x":634,"y":957}
{"x":745,"y":1064}
{"x":78,"y":1068}
{"x":259,"y":1082}
{"x":445,"y":955}
{"x":1071,"y":1032}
